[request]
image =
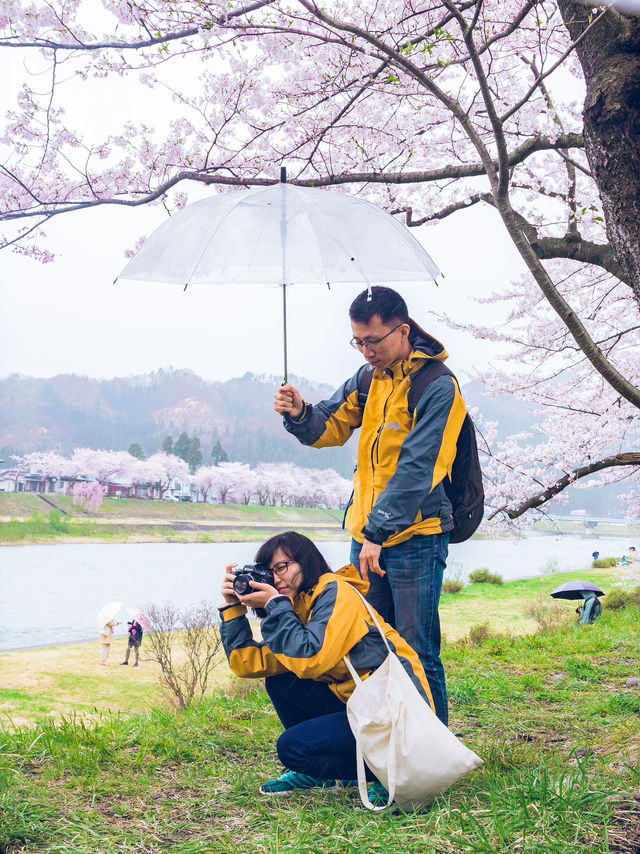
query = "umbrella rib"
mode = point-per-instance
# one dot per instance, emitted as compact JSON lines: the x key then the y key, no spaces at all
{"x":218,"y":226}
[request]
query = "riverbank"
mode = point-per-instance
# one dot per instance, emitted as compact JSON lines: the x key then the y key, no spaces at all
{"x":550,"y":713}
{"x":27,"y":519}
{"x":45,"y":683}
{"x":31,"y":519}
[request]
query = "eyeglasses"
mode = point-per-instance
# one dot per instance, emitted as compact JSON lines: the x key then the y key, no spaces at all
{"x":371,"y":343}
{"x":282,"y":567}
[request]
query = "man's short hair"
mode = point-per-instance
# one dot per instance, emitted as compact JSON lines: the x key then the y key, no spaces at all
{"x":385,"y":302}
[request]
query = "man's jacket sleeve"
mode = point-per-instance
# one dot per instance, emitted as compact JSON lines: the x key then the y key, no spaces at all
{"x":425,"y":459}
{"x":330,"y":422}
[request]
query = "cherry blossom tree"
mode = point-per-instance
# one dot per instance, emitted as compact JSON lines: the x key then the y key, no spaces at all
{"x":428,"y":108}
{"x":205,"y":480}
{"x":98,"y":464}
{"x":161,"y":471}
{"x":234,"y":480}
{"x":89,"y":493}
{"x":50,"y":463}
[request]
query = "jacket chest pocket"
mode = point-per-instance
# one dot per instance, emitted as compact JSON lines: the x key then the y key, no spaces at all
{"x":393,"y":428}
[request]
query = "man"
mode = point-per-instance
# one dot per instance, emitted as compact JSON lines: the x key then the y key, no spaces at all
{"x":400,"y":516}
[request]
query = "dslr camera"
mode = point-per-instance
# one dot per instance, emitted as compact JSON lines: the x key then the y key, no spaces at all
{"x":259,"y":572}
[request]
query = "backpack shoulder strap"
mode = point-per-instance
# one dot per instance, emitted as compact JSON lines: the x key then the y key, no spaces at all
{"x":365,"y":376}
{"x":423,"y":378}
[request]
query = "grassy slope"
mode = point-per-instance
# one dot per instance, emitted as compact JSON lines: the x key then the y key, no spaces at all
{"x":549,"y":713}
{"x":29,"y":520}
{"x":130,"y":508}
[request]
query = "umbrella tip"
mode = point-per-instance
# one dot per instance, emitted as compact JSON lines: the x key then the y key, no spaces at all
{"x":283,"y":174}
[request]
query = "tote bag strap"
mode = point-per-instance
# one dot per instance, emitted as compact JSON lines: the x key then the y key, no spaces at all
{"x":391,"y":762}
{"x":372,"y":614}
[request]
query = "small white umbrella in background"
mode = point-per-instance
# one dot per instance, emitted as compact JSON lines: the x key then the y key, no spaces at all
{"x":107,"y":613}
{"x":281,"y":235}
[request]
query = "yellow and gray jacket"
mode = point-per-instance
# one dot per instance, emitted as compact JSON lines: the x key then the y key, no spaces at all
{"x":310,"y":634}
{"x":403,"y":459}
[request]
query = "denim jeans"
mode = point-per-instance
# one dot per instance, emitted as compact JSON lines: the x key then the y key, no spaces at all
{"x":408,"y":597}
{"x":317,"y":739}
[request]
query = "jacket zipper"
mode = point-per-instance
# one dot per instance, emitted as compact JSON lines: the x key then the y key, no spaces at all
{"x":376,"y":442}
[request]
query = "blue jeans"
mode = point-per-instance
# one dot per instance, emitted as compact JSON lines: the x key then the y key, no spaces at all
{"x":408,"y":597}
{"x":317,"y":739}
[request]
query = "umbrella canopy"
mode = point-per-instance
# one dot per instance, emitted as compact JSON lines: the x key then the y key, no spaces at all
{"x":575,"y":590}
{"x":107,"y":613}
{"x":281,"y":235}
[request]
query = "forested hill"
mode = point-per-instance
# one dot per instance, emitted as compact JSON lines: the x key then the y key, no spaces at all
{"x":69,"y":411}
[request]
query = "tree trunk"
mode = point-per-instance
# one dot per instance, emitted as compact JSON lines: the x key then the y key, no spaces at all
{"x":610,"y":58}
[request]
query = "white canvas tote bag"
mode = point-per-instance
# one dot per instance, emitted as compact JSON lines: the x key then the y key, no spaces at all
{"x":413,"y":754}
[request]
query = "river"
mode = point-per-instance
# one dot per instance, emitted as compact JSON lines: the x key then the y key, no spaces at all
{"x":51,"y":594}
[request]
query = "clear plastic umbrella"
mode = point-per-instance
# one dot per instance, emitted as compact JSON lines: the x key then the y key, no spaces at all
{"x":107,"y":613}
{"x":281,"y":235}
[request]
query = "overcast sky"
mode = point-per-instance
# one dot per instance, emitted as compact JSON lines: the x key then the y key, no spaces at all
{"x":68,"y":316}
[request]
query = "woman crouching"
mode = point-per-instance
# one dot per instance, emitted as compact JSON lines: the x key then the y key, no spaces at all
{"x":312,"y":618}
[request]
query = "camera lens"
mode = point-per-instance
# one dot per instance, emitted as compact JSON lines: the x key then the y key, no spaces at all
{"x":241,"y":585}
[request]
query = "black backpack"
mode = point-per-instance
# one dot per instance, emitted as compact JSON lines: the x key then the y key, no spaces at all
{"x":464,"y":489}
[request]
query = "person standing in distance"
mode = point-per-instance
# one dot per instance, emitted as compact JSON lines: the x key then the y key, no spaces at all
{"x":400,"y":514}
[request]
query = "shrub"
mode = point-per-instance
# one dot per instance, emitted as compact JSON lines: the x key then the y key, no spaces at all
{"x":483,"y":576}
{"x":550,"y":615}
{"x":605,"y":562}
{"x":186,"y":643}
{"x":57,"y":522}
{"x":617,"y":599}
{"x":478,"y":634}
{"x":450,"y":586}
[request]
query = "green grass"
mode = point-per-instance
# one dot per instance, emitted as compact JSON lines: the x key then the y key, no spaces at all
{"x":22,"y":504}
{"x":549,"y":713}
{"x":505,"y":606}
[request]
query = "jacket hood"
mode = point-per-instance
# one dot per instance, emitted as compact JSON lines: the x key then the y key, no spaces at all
{"x":347,"y":573}
{"x":425,"y":343}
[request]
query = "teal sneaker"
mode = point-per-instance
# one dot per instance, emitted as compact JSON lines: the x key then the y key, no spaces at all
{"x":378,"y":795}
{"x":292,"y":781}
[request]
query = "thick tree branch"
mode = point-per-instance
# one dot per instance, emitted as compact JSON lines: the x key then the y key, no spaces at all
{"x":629,"y":459}
{"x":578,"y":249}
{"x":518,"y":155}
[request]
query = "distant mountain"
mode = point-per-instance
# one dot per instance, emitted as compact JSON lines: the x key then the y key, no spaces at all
{"x":69,"y":411}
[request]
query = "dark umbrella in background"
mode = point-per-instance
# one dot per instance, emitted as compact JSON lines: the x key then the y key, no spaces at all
{"x":576,"y":590}
{"x":592,"y":607}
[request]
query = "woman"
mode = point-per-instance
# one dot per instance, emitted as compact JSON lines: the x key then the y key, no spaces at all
{"x":106,"y":637}
{"x":313,"y":617}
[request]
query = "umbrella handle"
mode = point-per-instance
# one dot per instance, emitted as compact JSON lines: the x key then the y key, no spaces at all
{"x":284,"y":329}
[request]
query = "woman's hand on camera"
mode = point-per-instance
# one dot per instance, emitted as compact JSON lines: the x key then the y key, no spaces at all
{"x":262,"y":594}
{"x":228,"y":593}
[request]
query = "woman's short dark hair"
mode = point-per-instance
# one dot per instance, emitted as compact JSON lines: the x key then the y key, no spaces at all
{"x":299,"y":548}
{"x":385,"y":302}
